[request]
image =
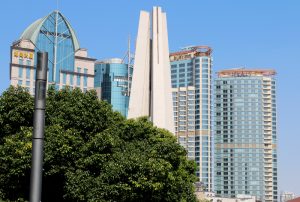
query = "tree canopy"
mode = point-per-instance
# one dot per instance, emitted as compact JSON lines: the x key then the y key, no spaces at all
{"x":91,"y":152}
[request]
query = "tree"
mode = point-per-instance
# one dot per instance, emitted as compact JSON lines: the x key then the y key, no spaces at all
{"x":16,"y":110}
{"x":92,"y":153}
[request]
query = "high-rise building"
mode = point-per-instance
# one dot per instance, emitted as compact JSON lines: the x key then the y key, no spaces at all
{"x":245,"y":133}
{"x":151,"y":93}
{"x":191,"y":88}
{"x":68,"y":63}
{"x":112,"y":83}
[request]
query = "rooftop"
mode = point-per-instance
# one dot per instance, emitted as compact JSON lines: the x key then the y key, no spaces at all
{"x":242,"y":72}
{"x":32,"y":31}
{"x":110,"y":61}
{"x":206,"y":50}
{"x":190,"y":52}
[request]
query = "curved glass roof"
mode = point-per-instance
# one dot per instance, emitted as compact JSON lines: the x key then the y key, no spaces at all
{"x":32,"y":31}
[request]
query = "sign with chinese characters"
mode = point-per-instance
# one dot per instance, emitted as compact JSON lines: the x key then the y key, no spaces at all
{"x":22,"y":54}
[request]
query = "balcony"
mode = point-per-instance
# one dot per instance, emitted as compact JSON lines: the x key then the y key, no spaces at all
{"x":268,"y":166}
{"x":268,"y":119}
{"x":266,"y":157}
{"x":268,"y":177}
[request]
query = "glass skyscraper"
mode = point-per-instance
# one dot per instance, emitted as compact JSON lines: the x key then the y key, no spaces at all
{"x":113,"y":82}
{"x":245,"y":134}
{"x":68,"y":64}
{"x":191,"y":88}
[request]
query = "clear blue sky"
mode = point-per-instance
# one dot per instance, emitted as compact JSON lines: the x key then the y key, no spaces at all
{"x":250,"y":33}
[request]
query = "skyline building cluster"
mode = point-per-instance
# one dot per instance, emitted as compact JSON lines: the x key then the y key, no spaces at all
{"x":227,"y":124}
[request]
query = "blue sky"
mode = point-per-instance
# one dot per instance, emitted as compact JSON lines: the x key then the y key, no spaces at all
{"x":249,"y":33}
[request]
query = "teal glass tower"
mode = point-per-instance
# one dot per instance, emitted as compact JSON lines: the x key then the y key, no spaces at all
{"x":113,"y":82}
{"x":245,"y":134}
{"x":191,"y":89}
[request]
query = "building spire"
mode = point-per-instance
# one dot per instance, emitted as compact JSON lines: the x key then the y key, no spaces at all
{"x":57,"y":3}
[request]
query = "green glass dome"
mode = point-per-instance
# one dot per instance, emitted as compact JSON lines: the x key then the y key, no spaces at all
{"x":32,"y":31}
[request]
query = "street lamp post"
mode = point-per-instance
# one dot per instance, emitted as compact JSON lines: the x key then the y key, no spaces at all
{"x":38,"y":127}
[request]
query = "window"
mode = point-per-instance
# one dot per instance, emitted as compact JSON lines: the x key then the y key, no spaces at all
{"x":64,"y":78}
{"x":20,"y":61}
{"x":20,"y":72}
{"x":27,"y":73}
{"x":71,"y":79}
{"x":205,"y":60}
{"x":78,"y":80}
{"x":27,"y":83}
{"x":205,"y":71}
{"x":181,"y":75}
{"x":19,"y":82}
{"x":85,"y":81}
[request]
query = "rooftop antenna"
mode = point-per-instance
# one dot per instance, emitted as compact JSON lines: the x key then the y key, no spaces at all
{"x":129,"y":67}
{"x":57,"y":5}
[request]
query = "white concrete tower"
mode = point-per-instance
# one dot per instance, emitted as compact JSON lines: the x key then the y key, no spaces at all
{"x":151,"y":93}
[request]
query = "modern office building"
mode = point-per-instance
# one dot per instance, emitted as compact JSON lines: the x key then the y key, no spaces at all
{"x":245,"y":134}
{"x":113,"y":82}
{"x":151,"y":93}
{"x":68,"y":63}
{"x":191,"y":88}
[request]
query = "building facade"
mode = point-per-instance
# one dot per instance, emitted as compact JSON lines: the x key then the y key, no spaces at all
{"x":191,"y":89}
{"x":286,"y":196}
{"x":245,"y":134}
{"x":68,"y":64}
{"x":113,"y":82}
{"x":151,"y":93}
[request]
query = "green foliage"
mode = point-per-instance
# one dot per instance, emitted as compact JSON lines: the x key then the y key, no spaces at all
{"x":91,"y":153}
{"x":80,"y":111}
{"x":15,"y":159}
{"x":132,"y":161}
{"x":16,"y":110}
{"x":203,"y":200}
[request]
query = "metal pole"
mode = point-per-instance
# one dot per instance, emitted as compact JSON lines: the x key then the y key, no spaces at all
{"x":128,"y":67}
{"x":55,"y":47}
{"x":38,"y":127}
